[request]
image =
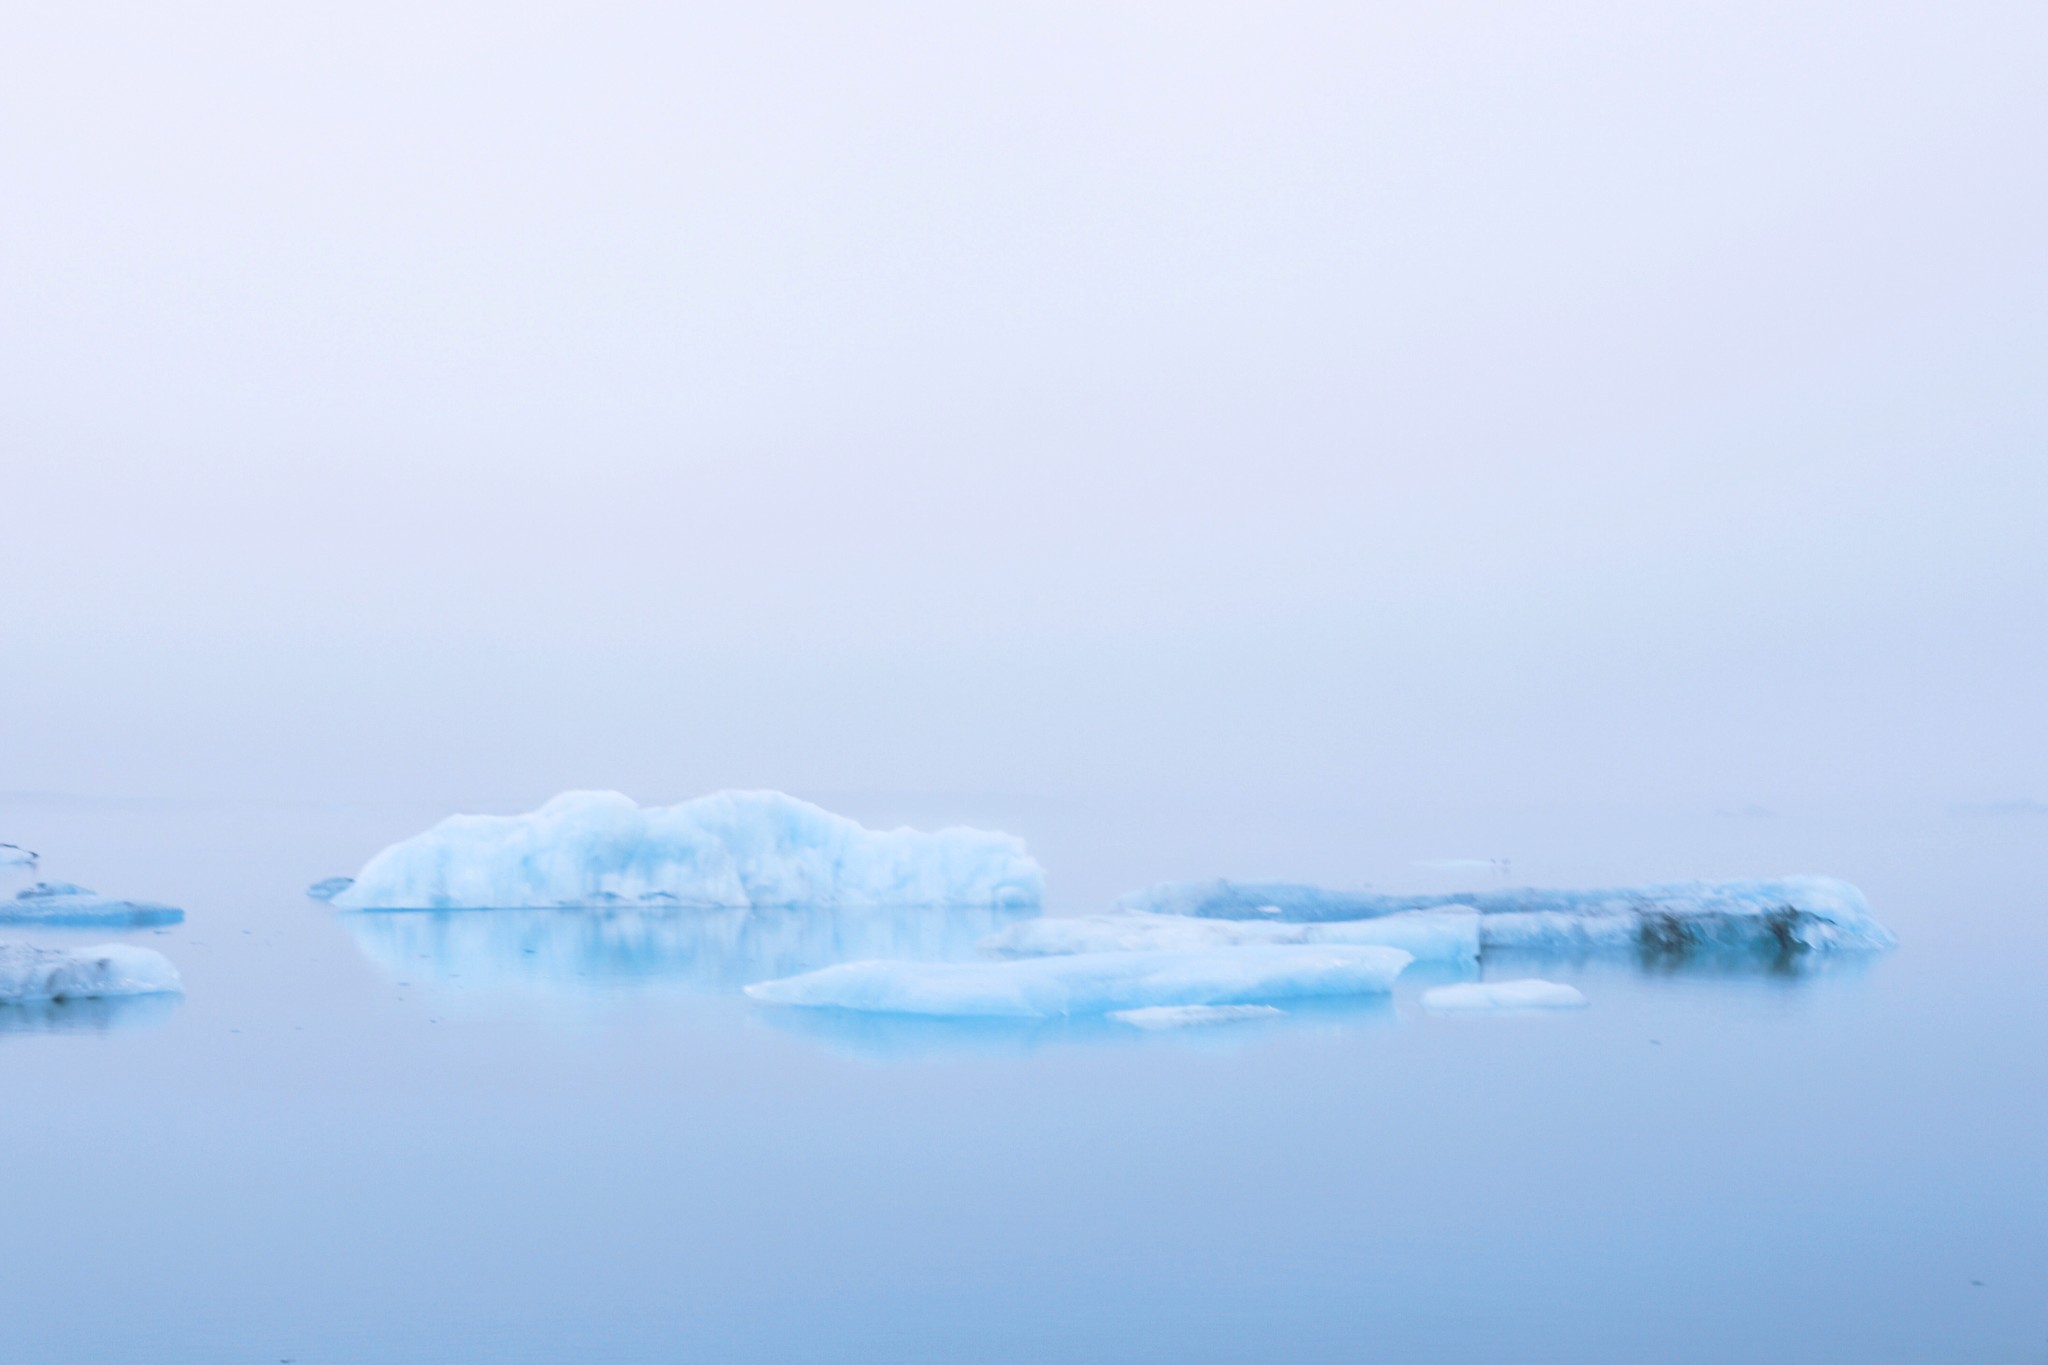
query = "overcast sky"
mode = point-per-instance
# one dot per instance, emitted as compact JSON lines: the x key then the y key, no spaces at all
{"x":1438,"y":401}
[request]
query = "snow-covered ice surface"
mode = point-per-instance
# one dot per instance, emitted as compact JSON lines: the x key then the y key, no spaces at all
{"x":1092,"y":983}
{"x":1783,"y":915}
{"x":1450,"y":935}
{"x":61,"y":903}
{"x":30,"y":973}
{"x":1186,"y":1016}
{"x":583,"y":951}
{"x":1530,"y":993}
{"x":730,"y":849}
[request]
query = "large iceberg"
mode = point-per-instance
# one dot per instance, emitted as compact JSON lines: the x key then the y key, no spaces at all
{"x":1092,"y":983}
{"x":61,"y":903}
{"x":1783,"y":916}
{"x":732,"y":849}
{"x":1449,"y":935}
{"x":31,"y":974}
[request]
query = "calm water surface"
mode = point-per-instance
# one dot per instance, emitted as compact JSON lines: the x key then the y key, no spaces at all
{"x":437,"y":1138}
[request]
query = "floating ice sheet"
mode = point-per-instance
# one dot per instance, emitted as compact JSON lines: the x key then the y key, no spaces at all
{"x":730,"y":849}
{"x":1448,"y":935}
{"x":61,"y":903}
{"x":30,"y":974}
{"x":1527,"y":994}
{"x":1188,"y":1016}
{"x":1093,"y":983}
{"x":1786,"y":915}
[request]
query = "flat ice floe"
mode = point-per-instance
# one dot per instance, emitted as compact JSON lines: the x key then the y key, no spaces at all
{"x":30,"y":974}
{"x":732,"y":849}
{"x":1781,"y":916}
{"x":1449,"y":935}
{"x":1187,"y":1016}
{"x":1092,"y":983}
{"x":1528,"y":994}
{"x":61,"y":903}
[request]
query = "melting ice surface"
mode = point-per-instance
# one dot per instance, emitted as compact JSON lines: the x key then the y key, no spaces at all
{"x":1528,"y":993}
{"x":729,"y":849}
{"x":1786,"y":915}
{"x":1092,"y":983}
{"x":30,"y":973}
{"x":61,"y":903}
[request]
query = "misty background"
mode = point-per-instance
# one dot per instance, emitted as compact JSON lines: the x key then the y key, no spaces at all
{"x":1274,"y":407}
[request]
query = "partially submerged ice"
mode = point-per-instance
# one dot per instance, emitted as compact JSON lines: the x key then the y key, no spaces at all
{"x":61,"y":903}
{"x":34,"y":974}
{"x":1527,"y":994}
{"x":327,"y":888}
{"x":1449,"y":935}
{"x":732,"y":849}
{"x":1787,"y":915}
{"x":1092,"y":983}
{"x":1190,"y":1016}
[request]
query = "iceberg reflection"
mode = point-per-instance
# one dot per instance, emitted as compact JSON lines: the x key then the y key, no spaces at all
{"x":713,"y":951}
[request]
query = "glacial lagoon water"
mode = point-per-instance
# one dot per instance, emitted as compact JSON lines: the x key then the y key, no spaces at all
{"x":551,"y":1137}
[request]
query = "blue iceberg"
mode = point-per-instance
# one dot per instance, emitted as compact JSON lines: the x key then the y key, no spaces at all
{"x":735,"y":849}
{"x":61,"y":903}
{"x":1092,"y":983}
{"x":1788,"y":915}
{"x":35,"y":974}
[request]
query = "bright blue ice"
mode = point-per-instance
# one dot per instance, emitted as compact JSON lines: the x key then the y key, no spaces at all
{"x":31,"y":974}
{"x":734,"y":849}
{"x":1092,"y":983}
{"x":1788,"y":914}
{"x":61,"y":903}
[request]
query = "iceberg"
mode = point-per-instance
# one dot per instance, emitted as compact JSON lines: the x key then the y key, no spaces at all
{"x":734,"y":849}
{"x":1784,"y":916}
{"x":1183,"y":1016}
{"x":61,"y":903}
{"x":1447,"y":935}
{"x":1528,"y":994}
{"x":31,"y":974}
{"x":1092,"y":983}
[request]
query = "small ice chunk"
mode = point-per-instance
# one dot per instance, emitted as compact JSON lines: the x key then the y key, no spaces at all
{"x":732,"y":849}
{"x":61,"y":903}
{"x":1092,"y":983}
{"x":1530,"y":993}
{"x":327,"y":888}
{"x":1450,"y":935}
{"x":35,"y":973}
{"x":1182,"y":1016}
{"x":14,"y":855}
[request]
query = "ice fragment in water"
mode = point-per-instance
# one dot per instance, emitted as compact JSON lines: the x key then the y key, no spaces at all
{"x":1528,"y":994}
{"x":1093,"y":983}
{"x":1450,"y":935}
{"x":30,"y":974}
{"x":61,"y":903}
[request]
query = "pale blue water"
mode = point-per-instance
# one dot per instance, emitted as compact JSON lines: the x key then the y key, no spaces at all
{"x":338,"y":1149}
